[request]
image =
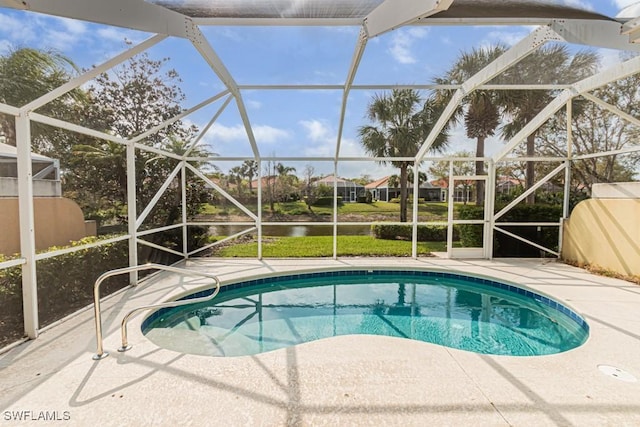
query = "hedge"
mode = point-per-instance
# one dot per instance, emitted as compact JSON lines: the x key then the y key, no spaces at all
{"x":506,"y":246}
{"x":426,"y":233}
{"x":65,"y":284}
{"x":327,"y":201}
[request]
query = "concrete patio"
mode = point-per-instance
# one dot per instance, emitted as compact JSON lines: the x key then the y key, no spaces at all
{"x":348,"y":380}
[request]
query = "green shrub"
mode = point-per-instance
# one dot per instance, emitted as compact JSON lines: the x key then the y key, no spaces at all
{"x":506,"y":246}
{"x":327,"y":201}
{"x":470,"y":234}
{"x":65,"y":284}
{"x":426,"y":233}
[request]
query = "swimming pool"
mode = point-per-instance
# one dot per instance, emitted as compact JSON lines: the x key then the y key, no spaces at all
{"x":449,"y":309}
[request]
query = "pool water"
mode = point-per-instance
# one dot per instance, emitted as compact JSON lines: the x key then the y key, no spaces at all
{"x":448,"y":310}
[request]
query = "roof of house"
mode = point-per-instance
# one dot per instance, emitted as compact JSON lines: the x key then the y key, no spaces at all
{"x":328,"y":180}
{"x":384,"y":183}
{"x":11,"y":152}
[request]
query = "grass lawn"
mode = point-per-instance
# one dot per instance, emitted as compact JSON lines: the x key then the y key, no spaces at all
{"x":322,"y":246}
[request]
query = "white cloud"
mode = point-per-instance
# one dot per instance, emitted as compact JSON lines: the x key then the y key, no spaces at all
{"x":263,"y":134}
{"x":402,"y":41}
{"x":15,"y":31}
{"x":5,"y":47}
{"x":608,"y":58}
{"x":317,"y":131}
{"x":72,"y":26}
{"x":580,"y":4}
{"x":624,"y":3}
{"x":111,"y":34}
{"x":268,"y":135}
{"x":631,"y":8}
{"x":256,"y":105}
{"x":60,"y":40}
{"x":509,"y":38}
{"x":224,"y":133}
{"x":323,"y":140}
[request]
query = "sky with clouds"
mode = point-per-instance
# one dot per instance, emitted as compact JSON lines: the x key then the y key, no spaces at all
{"x":286,"y":122}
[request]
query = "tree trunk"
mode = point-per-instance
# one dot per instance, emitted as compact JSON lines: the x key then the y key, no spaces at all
{"x":530,"y":172}
{"x":403,"y":192}
{"x":480,"y":171}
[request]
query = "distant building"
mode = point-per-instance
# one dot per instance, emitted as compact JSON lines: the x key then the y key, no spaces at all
{"x":348,"y":190}
{"x":381,"y":190}
{"x":463,"y":193}
{"x":57,"y":220}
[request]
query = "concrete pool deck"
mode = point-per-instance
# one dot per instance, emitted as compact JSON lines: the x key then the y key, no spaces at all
{"x":347,"y":380}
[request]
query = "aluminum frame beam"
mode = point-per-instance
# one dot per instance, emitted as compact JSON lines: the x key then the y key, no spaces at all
{"x":522,"y":239}
{"x":97,"y":134}
{"x":607,"y":34}
{"x":392,"y":14}
{"x":27,"y":226}
{"x":174,"y":119}
{"x":158,"y":195}
{"x":617,"y":72}
{"x":221,"y":191}
{"x":528,"y":191}
{"x":512,"y":56}
{"x":204,"y":131}
{"x":205,"y":49}
{"x":92,"y":73}
{"x":134,"y":14}
{"x":631,"y":28}
{"x":615,"y":110}
{"x":361,"y":44}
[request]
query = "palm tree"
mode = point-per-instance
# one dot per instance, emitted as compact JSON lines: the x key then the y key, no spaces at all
{"x":249,"y":169}
{"x":480,"y":111}
{"x":548,"y":65}
{"x":403,"y":125}
{"x":286,"y":182}
{"x":422,"y":177}
{"x":25,"y":75}
{"x":284,"y":170}
{"x":235,"y":177}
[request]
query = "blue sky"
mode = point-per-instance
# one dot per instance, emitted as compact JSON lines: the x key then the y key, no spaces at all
{"x":286,"y":123}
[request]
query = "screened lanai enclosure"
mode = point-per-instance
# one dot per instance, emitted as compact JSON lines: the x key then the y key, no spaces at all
{"x":157,"y":217}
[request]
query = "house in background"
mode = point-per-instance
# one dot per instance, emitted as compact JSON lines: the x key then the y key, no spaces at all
{"x":348,"y":190}
{"x":57,"y":220}
{"x":381,"y":190}
{"x":463,"y":193}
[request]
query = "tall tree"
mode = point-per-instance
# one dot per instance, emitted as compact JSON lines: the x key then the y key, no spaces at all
{"x":129,"y":101}
{"x":548,"y":65}
{"x":596,"y":130}
{"x":27,"y":74}
{"x":480,"y":111}
{"x":249,"y":169}
{"x":402,"y":123}
{"x":308,"y":190}
{"x":235,"y":178}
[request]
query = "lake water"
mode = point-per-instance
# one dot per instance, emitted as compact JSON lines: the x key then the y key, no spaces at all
{"x":295,"y":230}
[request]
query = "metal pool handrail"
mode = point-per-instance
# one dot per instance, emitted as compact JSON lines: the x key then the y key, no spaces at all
{"x":100,"y":353}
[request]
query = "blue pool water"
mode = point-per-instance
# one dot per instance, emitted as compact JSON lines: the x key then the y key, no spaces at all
{"x":468,"y":313}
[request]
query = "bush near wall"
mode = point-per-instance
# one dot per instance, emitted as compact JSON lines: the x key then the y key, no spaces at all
{"x":327,"y":201}
{"x":506,"y":246}
{"x":65,"y":284}
{"x":426,"y":233}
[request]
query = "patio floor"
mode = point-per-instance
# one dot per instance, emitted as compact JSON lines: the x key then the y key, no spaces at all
{"x":347,"y":380}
